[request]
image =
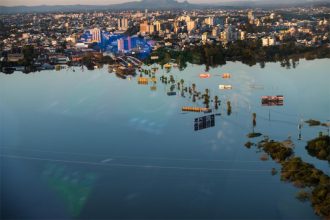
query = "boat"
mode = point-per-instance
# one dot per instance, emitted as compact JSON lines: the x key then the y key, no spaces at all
{"x":226,"y":76}
{"x":204,"y":75}
{"x":225,"y":87}
{"x":167,"y":65}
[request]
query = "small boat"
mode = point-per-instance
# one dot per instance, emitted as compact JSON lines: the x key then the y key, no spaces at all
{"x":226,"y":76}
{"x":204,"y":75}
{"x":225,"y":87}
{"x":167,"y":65}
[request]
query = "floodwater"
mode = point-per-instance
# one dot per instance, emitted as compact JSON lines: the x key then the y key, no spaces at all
{"x":87,"y":144}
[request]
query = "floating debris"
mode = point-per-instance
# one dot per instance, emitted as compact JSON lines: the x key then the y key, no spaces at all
{"x":171,"y":93}
{"x":225,"y":87}
{"x":106,"y":160}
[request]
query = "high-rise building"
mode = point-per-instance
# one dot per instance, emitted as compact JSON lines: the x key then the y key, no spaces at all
{"x":185,"y":18}
{"x":127,"y":44}
{"x":144,"y":27}
{"x":158,"y":26}
{"x":96,"y":35}
{"x":215,"y":31}
{"x":268,"y":41}
{"x":176,"y":27}
{"x":250,"y":17}
{"x":228,"y":35}
{"x":191,"y":25}
{"x":209,"y":21}
{"x":204,"y":37}
{"x":121,"y":45}
{"x":241,"y":35}
{"x":123,"y":24}
{"x":151,"y":28}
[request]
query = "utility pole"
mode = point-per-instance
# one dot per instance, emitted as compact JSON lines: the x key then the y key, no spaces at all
{"x":300,"y":125}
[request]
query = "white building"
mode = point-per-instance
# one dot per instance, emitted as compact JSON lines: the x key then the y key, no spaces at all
{"x":204,"y":37}
{"x":209,"y":21}
{"x":268,"y":41}
{"x":123,"y":24}
{"x":191,"y":25}
{"x":251,"y":17}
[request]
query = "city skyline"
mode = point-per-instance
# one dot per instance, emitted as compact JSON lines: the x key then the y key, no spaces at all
{"x":107,"y":2}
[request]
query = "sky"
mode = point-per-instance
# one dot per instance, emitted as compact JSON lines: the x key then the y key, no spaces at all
{"x":89,"y":2}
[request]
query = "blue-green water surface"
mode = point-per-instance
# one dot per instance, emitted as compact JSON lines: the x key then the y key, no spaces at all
{"x":87,"y":144}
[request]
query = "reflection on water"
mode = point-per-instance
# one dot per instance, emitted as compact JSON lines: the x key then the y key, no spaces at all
{"x":72,"y":185}
{"x":119,"y":149}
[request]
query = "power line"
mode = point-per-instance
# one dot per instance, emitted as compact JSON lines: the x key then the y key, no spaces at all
{"x":132,"y":157}
{"x":130,"y":165}
{"x":141,"y":166}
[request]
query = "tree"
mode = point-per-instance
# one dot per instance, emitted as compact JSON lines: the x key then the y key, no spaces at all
{"x":254,"y":120}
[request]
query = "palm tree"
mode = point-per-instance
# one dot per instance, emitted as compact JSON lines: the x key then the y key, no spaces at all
{"x":194,"y":87}
{"x":172,"y":79}
{"x":190,"y":90}
{"x":216,"y":99}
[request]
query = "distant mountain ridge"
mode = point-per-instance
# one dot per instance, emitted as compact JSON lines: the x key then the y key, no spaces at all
{"x":155,"y":4}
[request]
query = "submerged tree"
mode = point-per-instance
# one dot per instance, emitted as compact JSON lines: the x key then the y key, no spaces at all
{"x":216,"y":102}
{"x":228,"y":108}
{"x":254,"y":121}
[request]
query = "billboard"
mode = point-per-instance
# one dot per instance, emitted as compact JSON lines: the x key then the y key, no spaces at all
{"x":204,"y":122}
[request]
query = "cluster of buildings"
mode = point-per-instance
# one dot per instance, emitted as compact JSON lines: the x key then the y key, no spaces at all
{"x":70,"y":35}
{"x":271,"y":27}
{"x":116,"y":42}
